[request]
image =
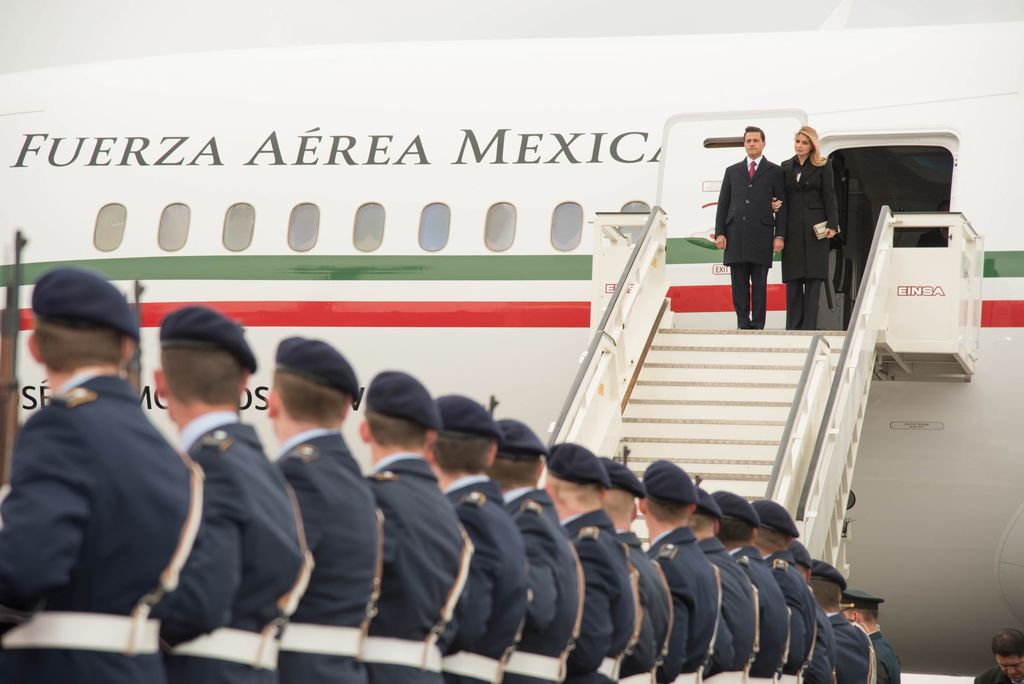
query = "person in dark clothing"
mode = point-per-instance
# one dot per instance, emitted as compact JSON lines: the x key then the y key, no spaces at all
{"x":861,"y":607}
{"x":1008,"y":648}
{"x":811,"y":198}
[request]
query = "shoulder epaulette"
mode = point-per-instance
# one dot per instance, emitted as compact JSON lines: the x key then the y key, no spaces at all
{"x":532,"y":507}
{"x":743,"y":560}
{"x":218,"y":439}
{"x":475,"y":498}
{"x":385,"y":476}
{"x":78,"y":397}
{"x":306,"y":453}
{"x":779,"y":564}
{"x":668,"y":551}
{"x":589,"y":532}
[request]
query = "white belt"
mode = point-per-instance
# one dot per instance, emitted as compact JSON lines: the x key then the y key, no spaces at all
{"x":642,"y":678}
{"x":787,"y":679}
{"x":86,"y":632}
{"x":535,"y":665}
{"x":235,"y":646}
{"x":472,"y":665}
{"x":610,"y":668}
{"x":389,"y":651}
{"x":733,"y":677}
{"x":322,"y":639}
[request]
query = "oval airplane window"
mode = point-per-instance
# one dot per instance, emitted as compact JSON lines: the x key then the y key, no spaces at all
{"x":636,"y":207}
{"x":303,"y":227}
{"x":239,"y":224}
{"x":434,"y":224}
{"x":566,"y":226}
{"x":368,"y":233}
{"x":500,"y":229}
{"x":173,"y":227}
{"x":109,"y":232}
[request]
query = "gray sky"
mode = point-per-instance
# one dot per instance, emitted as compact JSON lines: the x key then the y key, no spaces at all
{"x":44,"y":33}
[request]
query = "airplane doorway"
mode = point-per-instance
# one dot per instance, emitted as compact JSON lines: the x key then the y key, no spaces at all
{"x":904,"y":177}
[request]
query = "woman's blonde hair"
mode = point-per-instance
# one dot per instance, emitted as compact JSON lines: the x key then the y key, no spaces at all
{"x":812,"y":135}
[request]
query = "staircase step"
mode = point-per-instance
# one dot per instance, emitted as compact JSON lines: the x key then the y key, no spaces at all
{"x":690,"y":354}
{"x":682,"y":428}
{"x":718,"y":450}
{"x":698,"y":410}
{"x":712,"y":469}
{"x":720,"y":372}
{"x":788,"y":338}
{"x":709,"y":391}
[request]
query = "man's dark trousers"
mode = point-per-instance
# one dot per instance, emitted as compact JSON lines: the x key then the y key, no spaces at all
{"x":749,"y":288}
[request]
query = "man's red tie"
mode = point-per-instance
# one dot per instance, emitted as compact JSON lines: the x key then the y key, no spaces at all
{"x":753,"y":168}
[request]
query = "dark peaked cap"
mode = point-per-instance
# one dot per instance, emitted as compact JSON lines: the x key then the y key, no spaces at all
{"x":823,"y":571}
{"x":574,"y":463}
{"x":77,"y":298}
{"x":462,"y":414}
{"x":317,"y":362}
{"x":862,"y":599}
{"x":736,"y":507}
{"x":622,"y":478}
{"x":800,"y":554}
{"x":200,"y":327}
{"x":707,"y":505}
{"x":665,"y":481}
{"x":399,"y":395}
{"x":775,"y":517}
{"x":518,"y":442}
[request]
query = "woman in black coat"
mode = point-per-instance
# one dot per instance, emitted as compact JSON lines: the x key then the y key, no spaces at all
{"x":811,"y":199}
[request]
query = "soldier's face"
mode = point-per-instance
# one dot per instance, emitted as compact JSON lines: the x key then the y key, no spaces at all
{"x":1012,"y":666}
{"x":753,"y":144}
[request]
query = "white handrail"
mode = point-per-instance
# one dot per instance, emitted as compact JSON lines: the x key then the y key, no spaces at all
{"x":591,"y":414}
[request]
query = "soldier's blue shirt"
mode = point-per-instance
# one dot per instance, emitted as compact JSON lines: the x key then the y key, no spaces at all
{"x":552,"y":578}
{"x":694,"y":599}
{"x":738,"y":609}
{"x":247,"y":553}
{"x":319,"y":467}
{"x":823,"y":661}
{"x":493,"y":606}
{"x":82,"y":467}
{"x":802,"y":622}
{"x":854,"y":659}
{"x":773,"y":612}
{"x":656,"y":599}
{"x":608,"y":609}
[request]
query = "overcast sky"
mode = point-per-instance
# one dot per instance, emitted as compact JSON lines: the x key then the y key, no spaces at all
{"x":43,"y":33}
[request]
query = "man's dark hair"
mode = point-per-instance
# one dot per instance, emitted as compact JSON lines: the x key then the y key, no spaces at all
{"x":827,"y":593}
{"x":1008,"y":642}
{"x":65,"y":349}
{"x":209,"y":376}
{"x":733,"y":531}
{"x":753,"y":129}
{"x":509,"y":473}
{"x":458,"y":452}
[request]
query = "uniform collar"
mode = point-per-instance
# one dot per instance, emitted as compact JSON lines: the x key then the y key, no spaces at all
{"x":629,"y":538}
{"x":595,"y":518}
{"x":80,"y":378}
{"x":517,"y":493}
{"x":207,"y":422}
{"x":465,"y":481}
{"x":711,"y":545}
{"x":304,"y":436}
{"x":388,"y":461}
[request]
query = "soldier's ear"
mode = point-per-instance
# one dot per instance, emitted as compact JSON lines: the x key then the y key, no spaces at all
{"x":642,"y":503}
{"x":127,"y":349}
{"x":33,"y":348}
{"x":364,"y":432}
{"x":273,"y":404}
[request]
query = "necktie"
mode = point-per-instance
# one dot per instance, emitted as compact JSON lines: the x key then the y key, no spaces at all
{"x":753,"y":168}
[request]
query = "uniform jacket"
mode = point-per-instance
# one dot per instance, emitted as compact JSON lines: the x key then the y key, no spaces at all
{"x":823,"y":662}
{"x":745,"y":215}
{"x":694,"y":600}
{"x":608,"y":612}
{"x":738,"y":609}
{"x":324,"y":477}
{"x":855,"y":659}
{"x":422,"y":549}
{"x":493,"y":606}
{"x":993,"y":676}
{"x":886,"y":658}
{"x":656,"y":599}
{"x":773,"y":613}
{"x":553,"y":571}
{"x":82,"y":467}
{"x":540,"y":497}
{"x":247,"y":554}
{"x":803,"y":609}
{"x":812,"y":199}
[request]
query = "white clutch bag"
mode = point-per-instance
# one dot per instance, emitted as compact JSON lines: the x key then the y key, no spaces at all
{"x":820,"y":230}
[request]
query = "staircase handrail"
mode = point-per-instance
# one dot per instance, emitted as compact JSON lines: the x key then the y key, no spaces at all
{"x":652,"y":244}
{"x":792,"y":460}
{"x":822,"y":505}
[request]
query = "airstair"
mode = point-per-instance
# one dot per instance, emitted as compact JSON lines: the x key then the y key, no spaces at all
{"x":767,"y":414}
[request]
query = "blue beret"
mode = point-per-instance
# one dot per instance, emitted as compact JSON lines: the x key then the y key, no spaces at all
{"x":800,"y":554}
{"x":668,"y":482}
{"x":707,"y":505}
{"x":623,"y":478}
{"x":775,"y":517}
{"x":76,"y":298}
{"x":736,"y":507}
{"x":574,"y":463}
{"x":399,"y":395}
{"x":518,"y":442}
{"x":823,"y":571}
{"x":317,"y":362}
{"x":462,"y":414}
{"x":200,"y":327}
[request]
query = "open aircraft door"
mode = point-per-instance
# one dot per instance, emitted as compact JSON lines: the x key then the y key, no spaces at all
{"x":696,"y":149}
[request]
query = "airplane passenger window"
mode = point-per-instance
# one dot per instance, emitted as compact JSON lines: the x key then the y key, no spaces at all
{"x":636,"y":206}
{"x":434,"y":223}
{"x":173,"y":227}
{"x":500,"y":228}
{"x":239,"y":223}
{"x":109,"y":230}
{"x":368,"y":233}
{"x":303,"y":227}
{"x":566,"y":226}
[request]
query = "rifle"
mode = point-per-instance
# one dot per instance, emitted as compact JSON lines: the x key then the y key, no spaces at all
{"x":10,"y":326}
{"x":134,"y":367}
